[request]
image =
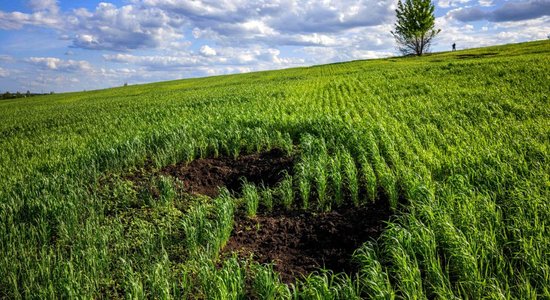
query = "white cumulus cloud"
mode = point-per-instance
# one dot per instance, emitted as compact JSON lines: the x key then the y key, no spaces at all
{"x":207,"y":51}
{"x":43,"y":5}
{"x":53,"y":63}
{"x":452,"y":3}
{"x":4,"y":72}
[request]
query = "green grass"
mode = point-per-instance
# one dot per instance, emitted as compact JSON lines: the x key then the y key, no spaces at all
{"x":457,"y":141}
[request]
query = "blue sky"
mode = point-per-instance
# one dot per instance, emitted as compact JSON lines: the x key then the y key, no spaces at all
{"x":49,"y":45}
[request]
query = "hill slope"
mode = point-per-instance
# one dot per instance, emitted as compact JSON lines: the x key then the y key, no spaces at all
{"x":457,"y":143}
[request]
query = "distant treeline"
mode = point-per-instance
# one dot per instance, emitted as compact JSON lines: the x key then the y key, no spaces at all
{"x":8,"y":95}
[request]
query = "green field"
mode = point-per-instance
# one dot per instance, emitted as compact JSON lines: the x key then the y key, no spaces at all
{"x":457,"y":143}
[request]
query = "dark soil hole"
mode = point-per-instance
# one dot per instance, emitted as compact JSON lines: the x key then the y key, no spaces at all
{"x":478,"y":55}
{"x":206,"y":176}
{"x":300,"y":242}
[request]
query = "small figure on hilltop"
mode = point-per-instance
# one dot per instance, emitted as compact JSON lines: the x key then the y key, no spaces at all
{"x":454,"y":46}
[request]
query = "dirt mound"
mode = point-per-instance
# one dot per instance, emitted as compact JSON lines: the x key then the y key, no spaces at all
{"x":206,"y":176}
{"x":300,"y":242}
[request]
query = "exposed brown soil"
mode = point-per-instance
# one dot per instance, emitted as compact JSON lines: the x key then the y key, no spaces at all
{"x":206,"y":176}
{"x":300,"y":242}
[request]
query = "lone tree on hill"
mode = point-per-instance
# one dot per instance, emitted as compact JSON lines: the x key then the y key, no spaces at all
{"x":414,"y":29}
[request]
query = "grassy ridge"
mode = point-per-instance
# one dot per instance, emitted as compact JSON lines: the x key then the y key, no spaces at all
{"x":458,"y":142}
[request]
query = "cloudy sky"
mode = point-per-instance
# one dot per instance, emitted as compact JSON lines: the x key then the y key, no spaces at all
{"x":57,"y":45}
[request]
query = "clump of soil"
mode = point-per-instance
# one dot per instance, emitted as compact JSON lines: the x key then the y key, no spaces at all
{"x":206,"y":176}
{"x":300,"y":242}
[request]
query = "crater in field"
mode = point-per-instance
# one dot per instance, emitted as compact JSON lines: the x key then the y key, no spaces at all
{"x":300,"y":242}
{"x":476,"y":55}
{"x":206,"y":176}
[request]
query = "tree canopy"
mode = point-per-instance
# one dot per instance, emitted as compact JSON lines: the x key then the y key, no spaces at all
{"x":414,"y":29}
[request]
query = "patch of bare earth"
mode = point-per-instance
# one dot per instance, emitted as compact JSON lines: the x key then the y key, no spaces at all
{"x":206,"y":176}
{"x":300,"y":242}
